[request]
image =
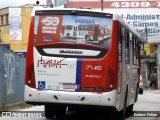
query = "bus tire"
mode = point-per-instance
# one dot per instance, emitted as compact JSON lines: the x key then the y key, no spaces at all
{"x":49,"y":113}
{"x":129,"y":110}
{"x":61,"y":113}
{"x":137,"y":91}
{"x":140,"y":91}
{"x":88,"y":38}
{"x":68,"y":35}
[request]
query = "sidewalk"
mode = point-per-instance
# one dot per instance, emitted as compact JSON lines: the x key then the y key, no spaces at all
{"x":151,"y":91}
{"x":17,"y":106}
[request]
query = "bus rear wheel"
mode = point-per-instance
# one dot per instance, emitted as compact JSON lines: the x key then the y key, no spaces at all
{"x":129,"y":109}
{"x":53,"y":111}
{"x":61,"y":113}
{"x":49,"y":112}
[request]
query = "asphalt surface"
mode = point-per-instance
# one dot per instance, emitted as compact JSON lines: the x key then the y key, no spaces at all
{"x":146,"y":108}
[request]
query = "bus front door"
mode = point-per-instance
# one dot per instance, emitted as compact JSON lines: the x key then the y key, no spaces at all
{"x":95,"y":36}
{"x":75,"y":31}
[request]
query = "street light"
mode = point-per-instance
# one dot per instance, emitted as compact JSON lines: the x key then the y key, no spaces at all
{"x":70,"y":3}
{"x":37,"y":4}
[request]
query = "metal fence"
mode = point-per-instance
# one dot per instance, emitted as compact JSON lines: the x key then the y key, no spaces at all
{"x":12,"y":70}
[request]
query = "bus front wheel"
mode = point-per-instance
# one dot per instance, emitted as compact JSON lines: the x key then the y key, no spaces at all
{"x":88,"y":38}
{"x":68,"y":35}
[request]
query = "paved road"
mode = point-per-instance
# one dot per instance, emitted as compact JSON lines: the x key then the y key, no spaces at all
{"x":149,"y":101}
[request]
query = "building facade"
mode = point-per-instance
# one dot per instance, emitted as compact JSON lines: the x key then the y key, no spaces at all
{"x":14,"y":27}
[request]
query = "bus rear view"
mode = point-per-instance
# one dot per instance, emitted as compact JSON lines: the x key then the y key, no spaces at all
{"x":70,"y":62}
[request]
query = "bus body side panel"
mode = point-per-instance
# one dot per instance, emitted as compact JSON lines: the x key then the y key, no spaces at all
{"x":129,"y":72}
{"x":114,"y":63}
{"x":29,"y":58}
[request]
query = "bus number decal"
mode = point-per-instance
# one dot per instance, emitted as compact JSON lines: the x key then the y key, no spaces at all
{"x":93,"y":67}
{"x":81,"y":40}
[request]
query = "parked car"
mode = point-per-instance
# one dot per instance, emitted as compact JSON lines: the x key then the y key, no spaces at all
{"x":141,"y":85}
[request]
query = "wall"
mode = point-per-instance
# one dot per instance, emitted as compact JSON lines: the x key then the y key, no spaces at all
{"x":12,"y":69}
{"x":158,"y":64}
{"x":4,"y":28}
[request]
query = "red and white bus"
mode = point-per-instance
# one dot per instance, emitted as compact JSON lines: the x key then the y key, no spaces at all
{"x":86,"y":31}
{"x":64,"y":73}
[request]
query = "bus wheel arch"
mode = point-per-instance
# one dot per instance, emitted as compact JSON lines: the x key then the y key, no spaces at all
{"x":128,"y":109}
{"x":123,"y":111}
{"x":125,"y":101}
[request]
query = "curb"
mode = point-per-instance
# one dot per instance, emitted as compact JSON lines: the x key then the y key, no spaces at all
{"x":18,"y":106}
{"x":15,"y":106}
{"x":152,"y":91}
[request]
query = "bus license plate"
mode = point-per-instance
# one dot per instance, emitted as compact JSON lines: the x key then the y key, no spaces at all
{"x":69,"y":86}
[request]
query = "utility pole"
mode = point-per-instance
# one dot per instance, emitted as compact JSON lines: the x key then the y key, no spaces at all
{"x":102,"y":5}
{"x":146,"y":32}
{"x":69,"y":3}
{"x":49,"y":3}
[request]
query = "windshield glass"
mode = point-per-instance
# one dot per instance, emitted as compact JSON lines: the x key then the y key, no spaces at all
{"x":73,"y":28}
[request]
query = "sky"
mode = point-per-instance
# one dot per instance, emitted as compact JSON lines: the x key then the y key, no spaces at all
{"x":7,"y":3}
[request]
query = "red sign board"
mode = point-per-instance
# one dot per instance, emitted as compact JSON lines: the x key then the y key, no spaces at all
{"x":115,"y":4}
{"x":48,"y":26}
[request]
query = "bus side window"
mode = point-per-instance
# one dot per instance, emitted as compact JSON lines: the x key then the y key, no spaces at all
{"x":135,"y":50}
{"x":69,"y":27}
{"x":79,"y":27}
{"x":120,"y":43}
{"x":130,"y":47}
{"x":127,"y":51}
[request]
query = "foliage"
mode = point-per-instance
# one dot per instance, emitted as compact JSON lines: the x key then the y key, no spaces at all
{"x":3,"y":106}
{"x":25,"y":105}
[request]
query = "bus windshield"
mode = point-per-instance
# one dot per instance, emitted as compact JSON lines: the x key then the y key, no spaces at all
{"x":73,"y":29}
